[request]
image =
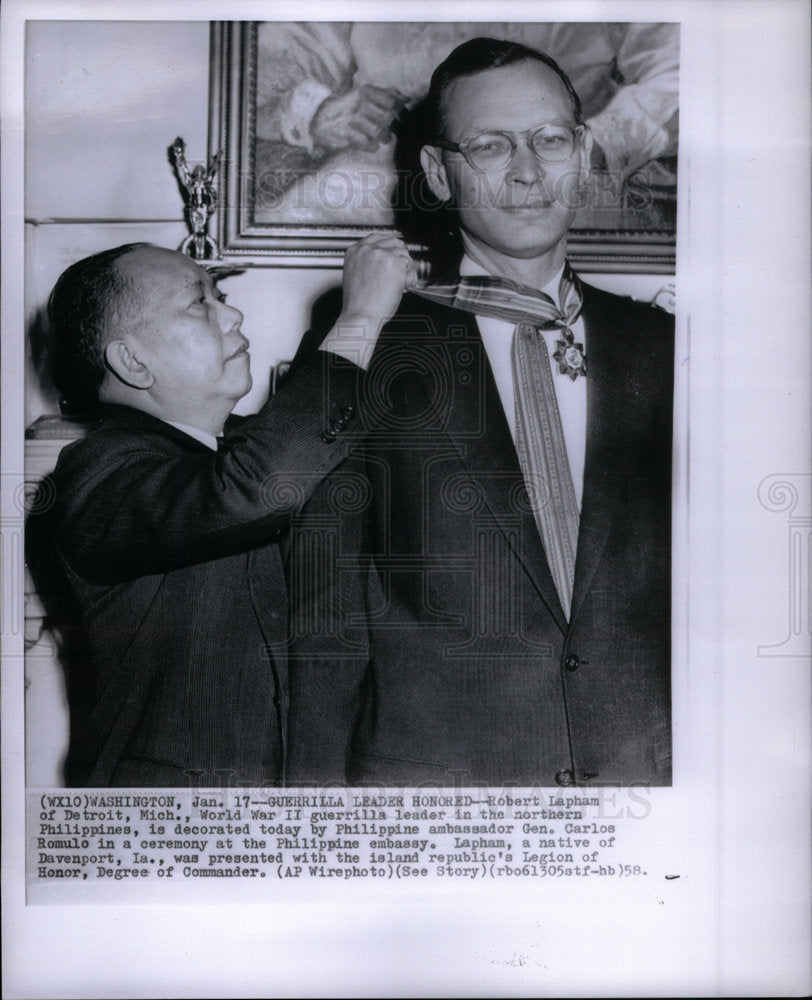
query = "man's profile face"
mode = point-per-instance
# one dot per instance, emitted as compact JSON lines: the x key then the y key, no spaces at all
{"x":186,"y":335}
{"x":525,"y":208}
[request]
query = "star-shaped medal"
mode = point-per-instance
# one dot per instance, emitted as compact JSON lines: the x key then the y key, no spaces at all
{"x":570,"y":356}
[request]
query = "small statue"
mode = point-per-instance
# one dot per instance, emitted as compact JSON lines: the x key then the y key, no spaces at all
{"x":201,"y":201}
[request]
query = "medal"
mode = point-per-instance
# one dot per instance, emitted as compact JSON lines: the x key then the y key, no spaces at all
{"x":570,"y":356}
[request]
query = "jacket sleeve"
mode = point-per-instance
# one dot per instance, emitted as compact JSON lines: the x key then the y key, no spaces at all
{"x":131,"y":503}
{"x":331,"y":576}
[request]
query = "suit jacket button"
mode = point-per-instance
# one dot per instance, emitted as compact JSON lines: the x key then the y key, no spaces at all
{"x":572,"y":662}
{"x":328,"y":437}
{"x":564,"y":778}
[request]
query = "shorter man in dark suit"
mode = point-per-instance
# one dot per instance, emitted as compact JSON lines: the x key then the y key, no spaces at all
{"x":167,"y":519}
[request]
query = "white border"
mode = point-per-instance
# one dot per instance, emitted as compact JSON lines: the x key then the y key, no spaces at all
{"x":738,"y":815}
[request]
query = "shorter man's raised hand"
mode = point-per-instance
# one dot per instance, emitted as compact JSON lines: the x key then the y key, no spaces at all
{"x":377,"y":271}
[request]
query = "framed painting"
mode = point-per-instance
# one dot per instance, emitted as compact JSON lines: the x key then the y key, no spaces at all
{"x":312,"y":119}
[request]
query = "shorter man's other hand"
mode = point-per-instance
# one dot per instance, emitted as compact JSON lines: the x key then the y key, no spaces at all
{"x":377,"y":271}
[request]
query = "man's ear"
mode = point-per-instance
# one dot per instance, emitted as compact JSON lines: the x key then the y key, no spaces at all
{"x":123,"y":363}
{"x":433,"y":167}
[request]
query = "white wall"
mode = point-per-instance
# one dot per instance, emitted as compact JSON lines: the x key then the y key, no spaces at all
{"x":104,"y":101}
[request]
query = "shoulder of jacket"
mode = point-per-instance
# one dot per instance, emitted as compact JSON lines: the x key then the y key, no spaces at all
{"x":640,"y":315}
{"x":625,"y":302}
{"x":114,"y":442}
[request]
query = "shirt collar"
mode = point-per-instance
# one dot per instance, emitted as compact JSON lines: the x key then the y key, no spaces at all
{"x":470,"y":267}
{"x":202,"y":436}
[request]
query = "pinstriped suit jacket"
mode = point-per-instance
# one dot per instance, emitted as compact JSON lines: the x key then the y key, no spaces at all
{"x":172,"y":552}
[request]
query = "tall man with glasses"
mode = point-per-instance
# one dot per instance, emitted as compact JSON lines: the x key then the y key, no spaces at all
{"x":494,"y":605}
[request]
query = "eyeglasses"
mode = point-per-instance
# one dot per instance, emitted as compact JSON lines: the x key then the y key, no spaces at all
{"x":492,"y":150}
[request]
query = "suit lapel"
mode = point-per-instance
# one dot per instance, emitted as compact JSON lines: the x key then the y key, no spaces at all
{"x":616,"y":400}
{"x":479,"y":433}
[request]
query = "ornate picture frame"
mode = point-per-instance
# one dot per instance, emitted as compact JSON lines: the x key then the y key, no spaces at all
{"x":287,"y":201}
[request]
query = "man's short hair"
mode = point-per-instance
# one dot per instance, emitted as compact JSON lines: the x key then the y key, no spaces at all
{"x":475,"y":56}
{"x":90,"y":299}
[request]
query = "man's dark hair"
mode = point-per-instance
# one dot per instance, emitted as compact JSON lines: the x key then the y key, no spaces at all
{"x":88,"y":301}
{"x":476,"y":56}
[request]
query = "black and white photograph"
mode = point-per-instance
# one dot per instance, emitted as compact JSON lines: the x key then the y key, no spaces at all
{"x":429,"y":577}
{"x":405,"y":529}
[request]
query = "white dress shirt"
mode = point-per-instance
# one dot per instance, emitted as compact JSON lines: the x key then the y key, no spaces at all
{"x":497,"y":336}
{"x":202,"y":436}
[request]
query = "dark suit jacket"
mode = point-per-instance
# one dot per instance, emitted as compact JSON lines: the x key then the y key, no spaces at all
{"x":172,"y":553}
{"x":444,"y":655}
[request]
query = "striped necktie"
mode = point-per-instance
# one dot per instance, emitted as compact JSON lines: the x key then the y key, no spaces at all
{"x":539,"y":434}
{"x":501,"y":298}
